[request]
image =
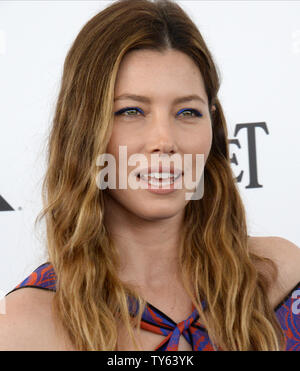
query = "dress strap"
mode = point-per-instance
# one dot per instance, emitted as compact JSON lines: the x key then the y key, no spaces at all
{"x":42,"y":277}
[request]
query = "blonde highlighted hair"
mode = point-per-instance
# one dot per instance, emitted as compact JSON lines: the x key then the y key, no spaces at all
{"x":90,"y":299}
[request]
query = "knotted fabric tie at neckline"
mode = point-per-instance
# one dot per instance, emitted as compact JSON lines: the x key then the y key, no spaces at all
{"x":156,"y":321}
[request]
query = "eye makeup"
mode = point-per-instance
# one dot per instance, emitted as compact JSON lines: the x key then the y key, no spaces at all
{"x":194,"y":111}
{"x":121,"y":111}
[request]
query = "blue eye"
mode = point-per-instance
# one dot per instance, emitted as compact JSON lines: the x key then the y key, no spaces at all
{"x":194,"y":111}
{"x":128,"y":109}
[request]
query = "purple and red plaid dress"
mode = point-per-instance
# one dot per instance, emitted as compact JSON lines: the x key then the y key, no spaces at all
{"x":287,"y":312}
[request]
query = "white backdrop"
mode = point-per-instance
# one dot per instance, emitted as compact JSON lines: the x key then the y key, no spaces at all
{"x":256,"y":45}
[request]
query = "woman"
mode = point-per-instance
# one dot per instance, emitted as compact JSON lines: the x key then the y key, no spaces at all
{"x":133,"y":268}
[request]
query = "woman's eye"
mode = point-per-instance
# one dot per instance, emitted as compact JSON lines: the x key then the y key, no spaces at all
{"x":192,"y":111}
{"x":130,"y":110}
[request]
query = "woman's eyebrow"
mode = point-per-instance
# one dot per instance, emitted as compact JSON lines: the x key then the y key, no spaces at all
{"x":141,"y":98}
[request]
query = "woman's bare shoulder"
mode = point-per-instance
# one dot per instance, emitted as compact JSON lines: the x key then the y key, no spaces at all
{"x":28,"y":322}
{"x":286,"y":255}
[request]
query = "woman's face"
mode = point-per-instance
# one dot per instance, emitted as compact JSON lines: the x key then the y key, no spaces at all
{"x":158,"y":125}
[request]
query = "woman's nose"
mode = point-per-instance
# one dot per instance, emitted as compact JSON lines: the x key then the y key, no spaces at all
{"x":161,"y":135}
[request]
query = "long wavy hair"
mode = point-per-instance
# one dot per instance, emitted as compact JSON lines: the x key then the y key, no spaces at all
{"x":90,"y":299}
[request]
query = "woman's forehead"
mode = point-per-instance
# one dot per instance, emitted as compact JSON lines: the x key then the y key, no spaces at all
{"x":154,"y":74}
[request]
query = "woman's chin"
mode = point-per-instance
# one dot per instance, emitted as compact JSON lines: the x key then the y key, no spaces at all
{"x":158,"y":212}
{"x":146,"y":205}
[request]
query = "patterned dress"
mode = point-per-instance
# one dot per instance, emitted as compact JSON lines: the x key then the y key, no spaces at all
{"x":287,"y":312}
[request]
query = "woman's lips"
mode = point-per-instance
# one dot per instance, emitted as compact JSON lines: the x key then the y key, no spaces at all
{"x":160,"y":188}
